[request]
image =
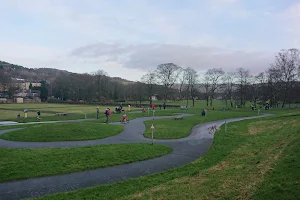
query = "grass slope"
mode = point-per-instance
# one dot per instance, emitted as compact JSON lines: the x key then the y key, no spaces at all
{"x":63,"y":132}
{"x":240,"y":165}
{"x":28,"y":163}
{"x":173,"y":129}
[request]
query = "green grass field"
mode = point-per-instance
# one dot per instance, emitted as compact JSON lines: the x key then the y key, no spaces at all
{"x":48,"y":110}
{"x":10,"y":111}
{"x":256,"y":159}
{"x":18,"y":164}
{"x":89,"y":130}
{"x":171,"y":129}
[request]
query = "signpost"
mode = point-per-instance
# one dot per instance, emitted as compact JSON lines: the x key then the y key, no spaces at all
{"x":85,"y":115}
{"x":152,"y":128}
{"x":258,"y":112}
{"x":153,"y":114}
{"x":225,"y":127}
{"x":148,"y":110}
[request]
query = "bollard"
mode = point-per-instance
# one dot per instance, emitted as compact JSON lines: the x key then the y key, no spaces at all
{"x":85,"y":116}
{"x":153,"y":114}
{"x":148,"y":110}
{"x":152,"y":128}
{"x":152,"y":136}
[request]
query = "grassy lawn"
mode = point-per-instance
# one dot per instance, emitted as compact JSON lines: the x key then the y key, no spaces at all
{"x":256,"y":159}
{"x":88,"y":130}
{"x":10,"y":111}
{"x":28,"y":163}
{"x":173,"y":129}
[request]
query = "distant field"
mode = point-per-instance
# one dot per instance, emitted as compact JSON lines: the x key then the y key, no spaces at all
{"x":48,"y":110}
{"x":8,"y":111}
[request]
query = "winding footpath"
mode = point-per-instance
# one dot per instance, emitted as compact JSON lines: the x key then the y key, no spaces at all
{"x":185,"y":150}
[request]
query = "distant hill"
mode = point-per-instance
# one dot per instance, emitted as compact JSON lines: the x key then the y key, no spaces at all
{"x":37,"y":74}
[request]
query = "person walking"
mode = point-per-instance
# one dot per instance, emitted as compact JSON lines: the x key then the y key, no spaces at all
{"x":38,"y":115}
{"x":165,"y":105}
{"x":97,"y":113}
{"x":25,"y":113}
{"x":107,"y":114}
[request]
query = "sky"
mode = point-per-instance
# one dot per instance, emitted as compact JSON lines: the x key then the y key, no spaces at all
{"x":127,"y":38}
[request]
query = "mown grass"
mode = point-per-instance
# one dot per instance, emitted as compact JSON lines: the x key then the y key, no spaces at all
{"x":10,"y":111}
{"x":113,"y":118}
{"x":243,"y":164}
{"x":173,"y":129}
{"x":63,"y":132}
{"x":18,"y":164}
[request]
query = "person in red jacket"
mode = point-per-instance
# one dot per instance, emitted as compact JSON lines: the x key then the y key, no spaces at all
{"x":153,"y":106}
{"x":107,"y":114}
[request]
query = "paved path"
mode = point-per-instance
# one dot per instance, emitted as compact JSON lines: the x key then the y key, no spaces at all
{"x":185,"y":150}
{"x":10,"y":123}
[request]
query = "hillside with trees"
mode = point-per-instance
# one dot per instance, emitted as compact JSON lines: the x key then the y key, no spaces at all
{"x":279,"y":84}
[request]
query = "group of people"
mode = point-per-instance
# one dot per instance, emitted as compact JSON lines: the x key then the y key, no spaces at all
{"x":108,"y":113}
{"x":153,"y":107}
{"x":26,"y":115}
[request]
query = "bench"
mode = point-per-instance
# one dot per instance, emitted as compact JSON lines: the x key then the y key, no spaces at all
{"x":184,"y":107}
{"x":61,"y":114}
{"x":178,"y":118}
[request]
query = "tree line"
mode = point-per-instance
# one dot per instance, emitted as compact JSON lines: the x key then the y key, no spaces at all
{"x":279,"y":84}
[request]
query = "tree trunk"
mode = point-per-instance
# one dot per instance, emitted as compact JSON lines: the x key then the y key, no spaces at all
{"x":211,"y":102}
{"x":150,"y":99}
{"x":207,"y":101}
{"x":193,"y":102}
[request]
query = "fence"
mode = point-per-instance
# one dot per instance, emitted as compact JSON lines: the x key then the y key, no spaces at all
{"x":107,"y":103}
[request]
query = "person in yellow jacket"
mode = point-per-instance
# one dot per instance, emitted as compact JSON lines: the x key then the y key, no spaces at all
{"x":128,"y":107}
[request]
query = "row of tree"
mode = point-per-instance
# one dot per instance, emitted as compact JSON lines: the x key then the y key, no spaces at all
{"x":279,"y":83}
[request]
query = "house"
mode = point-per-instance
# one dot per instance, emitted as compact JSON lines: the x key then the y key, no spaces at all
{"x":154,"y":97}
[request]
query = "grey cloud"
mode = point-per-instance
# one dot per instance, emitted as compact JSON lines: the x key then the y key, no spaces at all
{"x":148,"y":56}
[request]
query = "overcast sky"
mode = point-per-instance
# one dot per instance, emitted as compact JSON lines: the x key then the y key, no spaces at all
{"x":126,"y":38}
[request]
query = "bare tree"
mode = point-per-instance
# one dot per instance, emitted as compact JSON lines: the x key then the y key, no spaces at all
{"x":150,"y":80}
{"x":206,"y":86}
{"x":214,"y":76}
{"x":101,"y":82}
{"x":191,"y":77}
{"x":287,"y":64}
{"x":228,"y":83}
{"x":182,"y":80}
{"x":168,"y":75}
{"x":273,"y":85}
{"x":261,"y":86}
{"x":243,"y":76}
{"x":139,"y":91}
